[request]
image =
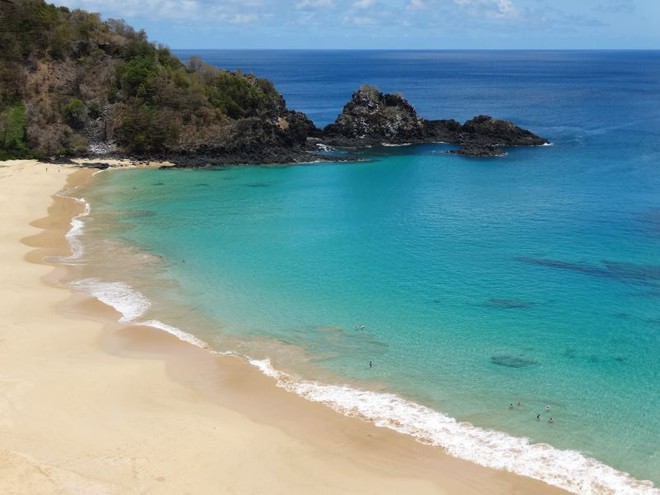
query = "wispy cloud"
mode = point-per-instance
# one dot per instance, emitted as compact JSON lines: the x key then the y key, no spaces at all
{"x":163,"y":9}
{"x":233,"y":11}
{"x":245,"y":18}
{"x":314,"y":4}
{"x":359,"y":20}
{"x":502,"y":9}
{"x":615,"y":7}
{"x":364,"y":4}
{"x":414,"y":5}
{"x":426,"y":23}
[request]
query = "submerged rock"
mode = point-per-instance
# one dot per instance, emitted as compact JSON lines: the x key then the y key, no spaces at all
{"x":497,"y":302}
{"x":512,"y":361}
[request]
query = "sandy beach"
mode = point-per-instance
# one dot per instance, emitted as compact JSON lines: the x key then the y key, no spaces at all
{"x":90,"y":406}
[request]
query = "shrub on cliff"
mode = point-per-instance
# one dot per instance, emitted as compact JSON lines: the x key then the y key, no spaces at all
{"x":12,"y":132}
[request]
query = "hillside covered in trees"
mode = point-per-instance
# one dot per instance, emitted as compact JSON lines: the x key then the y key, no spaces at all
{"x":71,"y":82}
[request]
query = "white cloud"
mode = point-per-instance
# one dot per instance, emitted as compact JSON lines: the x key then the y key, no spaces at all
{"x":360,"y":20}
{"x":363,"y":4}
{"x":245,"y":18}
{"x":500,"y":9}
{"x":415,"y":5}
{"x":615,"y":7}
{"x":162,"y":9}
{"x":235,"y":11}
{"x":314,"y":4}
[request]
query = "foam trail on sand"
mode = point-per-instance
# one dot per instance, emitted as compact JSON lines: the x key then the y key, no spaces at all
{"x":566,"y":469}
{"x":127,"y":301}
{"x":177,"y":332}
{"x":74,"y":233}
{"x":131,"y":304}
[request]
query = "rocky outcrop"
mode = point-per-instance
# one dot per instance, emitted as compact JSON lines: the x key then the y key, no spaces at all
{"x":372,"y":118}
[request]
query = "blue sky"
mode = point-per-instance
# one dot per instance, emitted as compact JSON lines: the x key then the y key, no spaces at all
{"x":392,"y":24}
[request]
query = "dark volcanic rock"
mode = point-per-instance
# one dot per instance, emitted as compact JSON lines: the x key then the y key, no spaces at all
{"x":447,"y":131}
{"x":373,"y":118}
{"x":485,"y":130}
{"x":478,"y":151}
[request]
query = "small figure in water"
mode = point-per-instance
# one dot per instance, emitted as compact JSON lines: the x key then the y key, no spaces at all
{"x":518,"y":404}
{"x":538,"y":417}
{"x":547,"y":408}
{"x":359,"y":327}
{"x":551,"y":420}
{"x":511,"y":406}
{"x":371,"y":365}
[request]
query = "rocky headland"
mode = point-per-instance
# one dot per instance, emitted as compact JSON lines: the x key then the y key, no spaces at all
{"x":73,"y":85}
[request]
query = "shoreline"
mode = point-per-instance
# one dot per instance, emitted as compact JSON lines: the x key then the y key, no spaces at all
{"x":90,"y":403}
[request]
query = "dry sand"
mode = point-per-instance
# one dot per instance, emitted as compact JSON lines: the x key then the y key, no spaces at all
{"x":88,"y":406}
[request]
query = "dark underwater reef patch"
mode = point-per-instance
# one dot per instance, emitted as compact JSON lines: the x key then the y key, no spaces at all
{"x":649,"y":221}
{"x":512,"y":361}
{"x":591,"y":358}
{"x":498,"y":302}
{"x":614,"y":270}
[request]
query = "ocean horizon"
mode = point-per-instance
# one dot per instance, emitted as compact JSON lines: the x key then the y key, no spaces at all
{"x":462,"y":301}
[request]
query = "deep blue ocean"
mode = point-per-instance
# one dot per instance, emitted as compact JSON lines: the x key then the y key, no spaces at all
{"x":452,"y":298}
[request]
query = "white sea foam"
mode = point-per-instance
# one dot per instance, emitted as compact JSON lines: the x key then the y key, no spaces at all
{"x":177,"y":332}
{"x":126,"y":300}
{"x":395,"y":145}
{"x":74,"y":233}
{"x":131,"y":304}
{"x":566,"y":469}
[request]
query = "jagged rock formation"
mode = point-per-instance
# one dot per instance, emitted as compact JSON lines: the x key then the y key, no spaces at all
{"x":373,"y":118}
{"x":484,"y":136}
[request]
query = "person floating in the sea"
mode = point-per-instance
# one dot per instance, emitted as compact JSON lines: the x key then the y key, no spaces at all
{"x":371,"y":365}
{"x":538,"y":417}
{"x":547,"y":408}
{"x":551,"y":420}
{"x":511,"y":406}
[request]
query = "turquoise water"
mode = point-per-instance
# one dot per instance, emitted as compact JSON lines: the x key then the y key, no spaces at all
{"x":459,"y":285}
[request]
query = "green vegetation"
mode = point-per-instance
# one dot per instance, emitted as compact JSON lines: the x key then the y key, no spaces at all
{"x":12,"y":132}
{"x":69,"y":79}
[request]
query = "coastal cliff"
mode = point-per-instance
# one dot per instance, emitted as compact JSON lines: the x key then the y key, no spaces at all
{"x":74,"y":85}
